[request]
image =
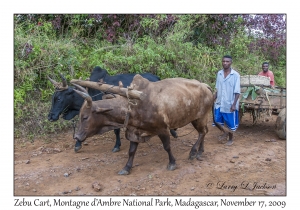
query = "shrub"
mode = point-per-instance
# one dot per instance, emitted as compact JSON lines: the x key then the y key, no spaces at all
{"x":166,"y":45}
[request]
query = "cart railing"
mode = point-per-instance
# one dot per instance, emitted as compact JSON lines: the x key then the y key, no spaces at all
{"x":263,"y":97}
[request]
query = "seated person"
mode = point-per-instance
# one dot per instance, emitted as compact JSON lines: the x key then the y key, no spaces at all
{"x":267,"y":73}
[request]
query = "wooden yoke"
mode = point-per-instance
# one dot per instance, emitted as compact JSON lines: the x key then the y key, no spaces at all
{"x":120,"y":90}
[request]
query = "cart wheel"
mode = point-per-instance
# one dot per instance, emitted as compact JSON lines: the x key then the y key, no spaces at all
{"x":280,"y":126}
{"x":241,"y":114}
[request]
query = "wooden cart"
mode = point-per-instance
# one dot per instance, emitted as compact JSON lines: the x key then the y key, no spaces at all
{"x":260,"y":100}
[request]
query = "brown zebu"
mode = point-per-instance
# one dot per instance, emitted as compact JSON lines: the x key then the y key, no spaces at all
{"x":166,"y":104}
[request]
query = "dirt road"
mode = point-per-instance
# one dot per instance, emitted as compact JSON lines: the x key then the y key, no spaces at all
{"x":254,"y":165}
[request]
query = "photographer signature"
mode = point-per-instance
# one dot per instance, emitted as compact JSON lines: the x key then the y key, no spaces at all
{"x":243,"y":185}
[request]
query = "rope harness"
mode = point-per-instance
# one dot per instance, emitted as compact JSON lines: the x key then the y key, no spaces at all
{"x":74,"y":127}
{"x":128,"y":110}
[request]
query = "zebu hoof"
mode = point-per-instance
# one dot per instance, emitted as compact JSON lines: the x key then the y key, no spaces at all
{"x":115,"y":149}
{"x":171,"y":167}
{"x":123,"y":172}
{"x":76,"y":149}
{"x":192,"y":156}
{"x":199,"y":158}
{"x":229,"y":143}
{"x":173,"y":133}
{"x":223,"y":137}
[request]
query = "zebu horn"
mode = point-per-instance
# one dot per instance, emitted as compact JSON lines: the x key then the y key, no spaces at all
{"x":120,"y":84}
{"x":86,"y":96}
{"x":53,"y":82}
{"x":64,"y":81}
{"x":81,"y":88}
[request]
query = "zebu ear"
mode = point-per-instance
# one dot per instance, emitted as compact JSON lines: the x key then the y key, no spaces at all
{"x":102,"y":110}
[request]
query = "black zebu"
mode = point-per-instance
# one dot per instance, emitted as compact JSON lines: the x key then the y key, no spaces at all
{"x":67,"y":102}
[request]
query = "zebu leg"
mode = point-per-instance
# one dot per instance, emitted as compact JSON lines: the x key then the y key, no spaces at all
{"x":128,"y":166}
{"x":201,"y":148}
{"x":165,"y":139}
{"x":77,"y":146}
{"x":173,"y":133}
{"x":118,"y":141}
{"x":198,"y":147}
{"x":195,"y":151}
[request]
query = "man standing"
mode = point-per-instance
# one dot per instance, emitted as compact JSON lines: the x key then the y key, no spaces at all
{"x":227,"y":97}
{"x":267,"y":73}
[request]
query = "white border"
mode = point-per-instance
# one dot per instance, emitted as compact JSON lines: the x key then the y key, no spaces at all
{"x":155,"y":6}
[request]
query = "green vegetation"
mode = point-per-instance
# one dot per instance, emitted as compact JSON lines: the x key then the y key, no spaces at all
{"x":165,"y":45}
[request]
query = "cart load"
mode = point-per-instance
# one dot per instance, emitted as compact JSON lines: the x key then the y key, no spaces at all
{"x":260,"y":100}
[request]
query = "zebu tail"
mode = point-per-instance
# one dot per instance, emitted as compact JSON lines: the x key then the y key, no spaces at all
{"x":217,"y":124}
{"x":213,"y":113}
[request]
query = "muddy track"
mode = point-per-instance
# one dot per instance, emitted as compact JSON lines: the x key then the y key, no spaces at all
{"x":254,"y":165}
